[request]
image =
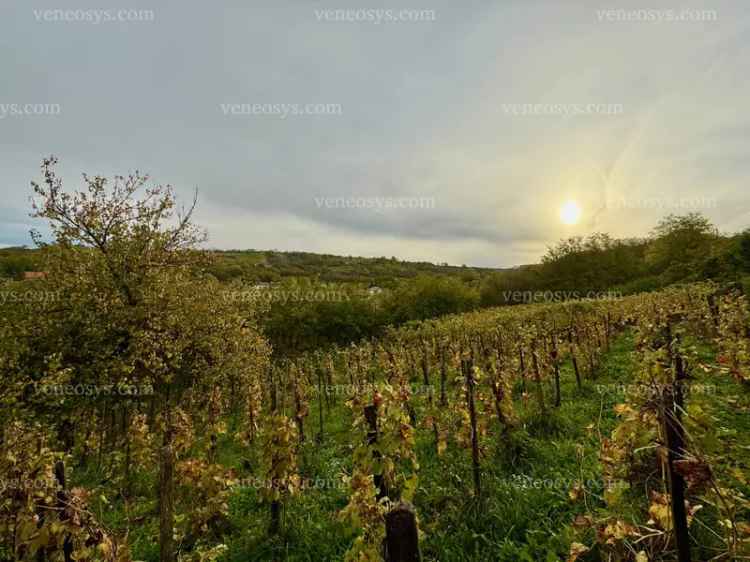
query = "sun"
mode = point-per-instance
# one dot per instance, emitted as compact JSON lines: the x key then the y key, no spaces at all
{"x":570,"y":213}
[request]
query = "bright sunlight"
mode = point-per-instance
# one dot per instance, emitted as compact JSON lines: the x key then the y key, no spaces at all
{"x":570,"y":213}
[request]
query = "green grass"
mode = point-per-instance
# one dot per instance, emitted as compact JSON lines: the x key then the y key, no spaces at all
{"x":524,"y":514}
{"x":512,"y":521}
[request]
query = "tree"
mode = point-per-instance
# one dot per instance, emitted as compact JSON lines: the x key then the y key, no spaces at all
{"x":135,"y":306}
{"x":501,"y":288}
{"x":679,"y":244}
{"x":429,"y":297}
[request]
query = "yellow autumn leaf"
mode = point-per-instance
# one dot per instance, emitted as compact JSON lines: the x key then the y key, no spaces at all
{"x":576,"y":549}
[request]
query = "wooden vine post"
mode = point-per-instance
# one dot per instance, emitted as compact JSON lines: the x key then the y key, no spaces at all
{"x":522,"y":366}
{"x":443,"y":376}
{"x":607,"y":331}
{"x":371,"y":417}
{"x":556,"y":366}
{"x":300,"y":409}
{"x":401,"y":543}
{"x":592,"y":366}
{"x":467,"y":368}
{"x":401,"y":535}
{"x":318,"y":370}
{"x":166,"y":489}
{"x":573,"y":358}
{"x":62,"y":501}
{"x":275,"y":526}
{"x":329,"y":374}
{"x":673,"y":404}
{"x":428,"y":390}
{"x":538,"y":380}
{"x":498,"y":392}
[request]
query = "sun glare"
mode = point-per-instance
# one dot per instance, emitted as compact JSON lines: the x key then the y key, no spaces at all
{"x":570,"y":213}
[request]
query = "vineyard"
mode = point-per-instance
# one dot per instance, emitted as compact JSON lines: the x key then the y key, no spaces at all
{"x":144,"y":417}
{"x":461,"y":426}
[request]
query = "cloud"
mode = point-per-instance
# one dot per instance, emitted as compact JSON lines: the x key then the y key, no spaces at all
{"x":424,"y":112}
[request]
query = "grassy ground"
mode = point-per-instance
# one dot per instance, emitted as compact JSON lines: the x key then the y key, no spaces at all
{"x":525,"y":513}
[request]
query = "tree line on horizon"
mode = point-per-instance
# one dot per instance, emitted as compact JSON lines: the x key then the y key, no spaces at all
{"x":680,"y":249}
{"x":314,"y":312}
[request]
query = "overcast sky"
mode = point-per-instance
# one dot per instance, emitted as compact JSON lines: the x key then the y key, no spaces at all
{"x":426,"y":133}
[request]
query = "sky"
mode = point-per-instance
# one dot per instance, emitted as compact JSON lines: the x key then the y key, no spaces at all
{"x":436,"y":130}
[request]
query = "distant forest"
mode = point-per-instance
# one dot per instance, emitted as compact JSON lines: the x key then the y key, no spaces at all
{"x":270,"y":266}
{"x":313,"y":301}
{"x":273,"y":266}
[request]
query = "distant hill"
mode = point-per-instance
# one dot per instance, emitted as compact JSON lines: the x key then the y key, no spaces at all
{"x":271,"y":266}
